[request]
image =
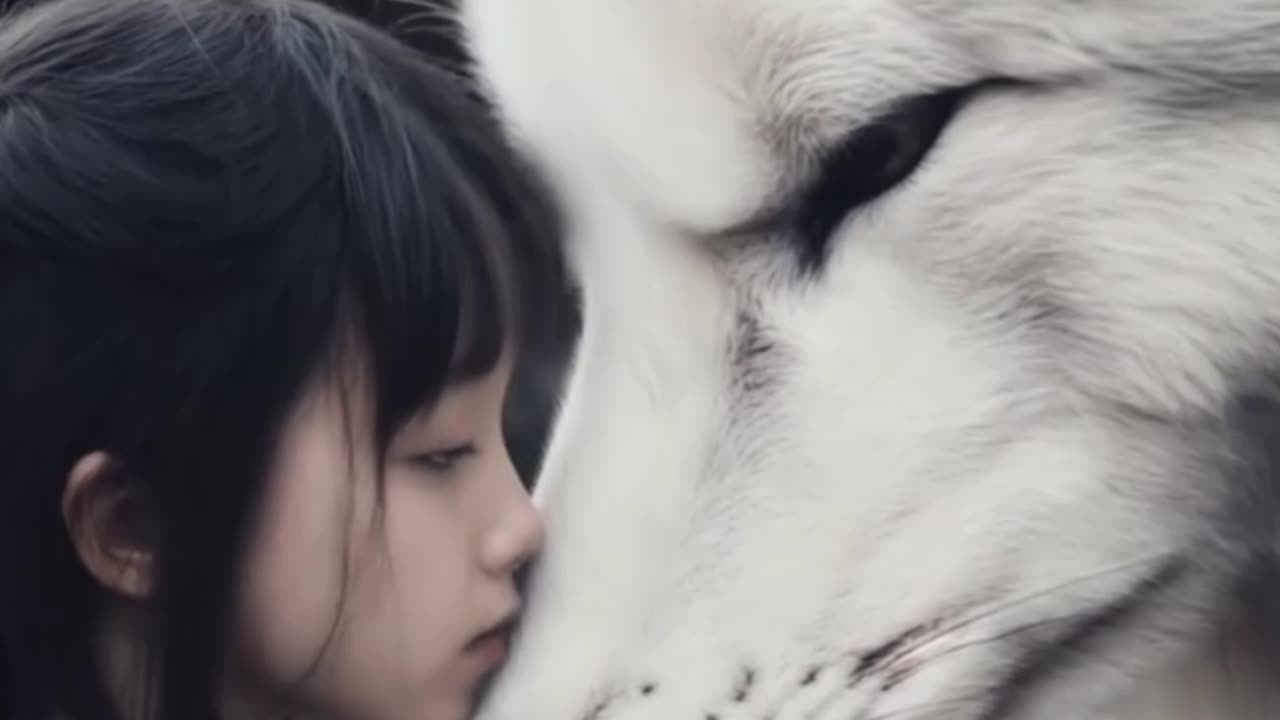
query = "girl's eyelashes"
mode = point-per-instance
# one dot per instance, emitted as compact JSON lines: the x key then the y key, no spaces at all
{"x":444,"y":460}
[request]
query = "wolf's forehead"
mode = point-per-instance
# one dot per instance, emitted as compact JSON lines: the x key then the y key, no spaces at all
{"x":798,"y":77}
{"x":843,"y":58}
{"x":707,"y":111}
{"x":801,"y":75}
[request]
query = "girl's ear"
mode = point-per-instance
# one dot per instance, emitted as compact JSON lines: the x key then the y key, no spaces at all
{"x":105,"y":520}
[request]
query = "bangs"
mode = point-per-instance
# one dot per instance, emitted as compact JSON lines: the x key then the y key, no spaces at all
{"x":450,"y":258}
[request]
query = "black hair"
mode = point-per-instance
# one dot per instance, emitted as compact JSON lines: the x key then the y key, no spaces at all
{"x":205,"y":205}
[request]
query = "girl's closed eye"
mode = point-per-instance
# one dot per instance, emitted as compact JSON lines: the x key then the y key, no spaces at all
{"x":443,"y":460}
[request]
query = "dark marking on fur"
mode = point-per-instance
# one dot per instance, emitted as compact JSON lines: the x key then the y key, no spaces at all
{"x":752,"y":347}
{"x":1069,"y":647}
{"x":742,"y":691}
{"x":602,"y":703}
{"x":878,"y":657}
{"x":896,"y":677}
{"x":811,"y":676}
{"x":756,"y":363}
{"x":597,"y":710}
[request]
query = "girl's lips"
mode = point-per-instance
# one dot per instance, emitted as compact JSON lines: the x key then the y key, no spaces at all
{"x":490,"y":647}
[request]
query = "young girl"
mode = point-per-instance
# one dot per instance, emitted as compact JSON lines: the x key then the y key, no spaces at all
{"x":261,"y":273}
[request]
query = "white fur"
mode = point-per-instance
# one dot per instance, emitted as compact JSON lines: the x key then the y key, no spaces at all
{"x":926,"y":450}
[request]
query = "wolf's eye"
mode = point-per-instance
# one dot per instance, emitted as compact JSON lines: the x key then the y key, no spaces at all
{"x":869,"y":162}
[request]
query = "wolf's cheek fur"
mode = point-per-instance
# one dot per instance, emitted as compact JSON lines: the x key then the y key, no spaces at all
{"x":1004,"y":452}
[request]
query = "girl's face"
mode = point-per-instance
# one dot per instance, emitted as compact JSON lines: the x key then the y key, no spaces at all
{"x":382,"y":609}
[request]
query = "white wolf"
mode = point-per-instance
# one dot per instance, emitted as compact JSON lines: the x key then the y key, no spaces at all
{"x":930,"y":358}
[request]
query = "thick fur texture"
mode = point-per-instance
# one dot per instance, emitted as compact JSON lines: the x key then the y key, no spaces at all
{"x":992,"y":439}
